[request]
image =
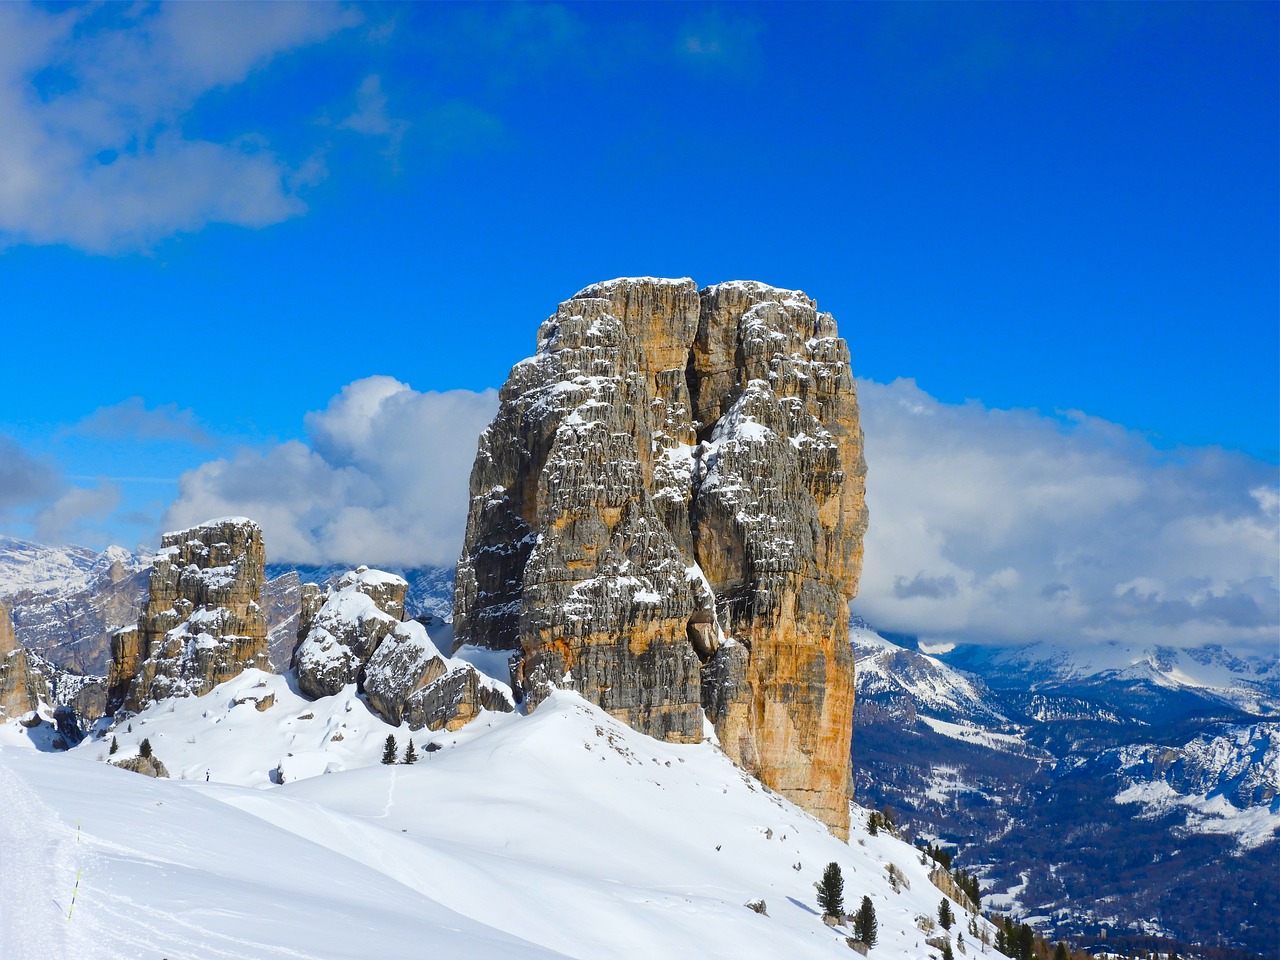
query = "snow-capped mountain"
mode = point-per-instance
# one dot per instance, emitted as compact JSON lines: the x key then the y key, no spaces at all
{"x":1251,"y":684}
{"x":563,"y":833}
{"x":67,"y":601}
{"x":1068,"y":774}
{"x":34,"y":567}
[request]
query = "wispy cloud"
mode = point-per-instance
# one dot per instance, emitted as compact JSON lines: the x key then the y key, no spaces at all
{"x":132,"y":419}
{"x":92,"y":102}
{"x":721,"y":41}
{"x":371,"y":117}
{"x":74,"y":510}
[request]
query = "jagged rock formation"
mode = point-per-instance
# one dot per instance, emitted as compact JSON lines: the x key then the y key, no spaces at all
{"x":356,"y":633}
{"x":202,"y":623}
{"x":667,"y":516}
{"x":21,"y":685}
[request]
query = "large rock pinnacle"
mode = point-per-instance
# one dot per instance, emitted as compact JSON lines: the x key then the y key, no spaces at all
{"x":667,"y":516}
{"x":203,"y":622}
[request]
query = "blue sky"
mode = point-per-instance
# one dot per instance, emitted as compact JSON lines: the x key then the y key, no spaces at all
{"x":214,"y":218}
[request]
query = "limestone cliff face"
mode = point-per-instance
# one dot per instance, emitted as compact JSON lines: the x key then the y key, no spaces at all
{"x":203,"y":622}
{"x":21,"y":685}
{"x":356,"y":634}
{"x":667,"y":515}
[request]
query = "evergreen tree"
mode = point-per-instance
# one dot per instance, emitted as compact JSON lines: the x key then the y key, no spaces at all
{"x":873,"y":823}
{"x":389,"y":750}
{"x":144,"y":748}
{"x":831,"y":891}
{"x":410,"y":754}
{"x":864,"y":923}
{"x":115,"y":745}
{"x":946,"y":951}
{"x":1061,"y":952}
{"x":1026,"y":942}
{"x":945,"y":916}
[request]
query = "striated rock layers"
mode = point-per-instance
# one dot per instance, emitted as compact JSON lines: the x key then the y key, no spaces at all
{"x":356,"y":634}
{"x":202,"y":623}
{"x":667,"y":515}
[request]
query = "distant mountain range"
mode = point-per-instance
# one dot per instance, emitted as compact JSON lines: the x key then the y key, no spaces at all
{"x":1131,"y":790}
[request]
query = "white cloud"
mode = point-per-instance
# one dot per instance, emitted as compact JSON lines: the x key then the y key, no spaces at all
{"x":1008,"y":525}
{"x":986,"y":525}
{"x":92,"y":101}
{"x":67,"y":519}
{"x":381,"y":480}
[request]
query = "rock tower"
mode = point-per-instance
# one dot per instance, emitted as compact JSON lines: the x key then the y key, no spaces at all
{"x":667,"y":516}
{"x":21,"y":685}
{"x":202,"y":623}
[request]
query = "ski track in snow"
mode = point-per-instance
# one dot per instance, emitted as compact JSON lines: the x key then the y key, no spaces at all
{"x":147,"y":927}
{"x":37,"y":854}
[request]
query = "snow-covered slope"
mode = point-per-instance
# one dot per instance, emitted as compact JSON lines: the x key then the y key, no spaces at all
{"x":563,"y":833}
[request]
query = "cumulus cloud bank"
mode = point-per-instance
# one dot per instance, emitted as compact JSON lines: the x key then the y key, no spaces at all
{"x":987,"y":525}
{"x":1008,"y":525}
{"x":381,"y":479}
{"x":92,"y":101}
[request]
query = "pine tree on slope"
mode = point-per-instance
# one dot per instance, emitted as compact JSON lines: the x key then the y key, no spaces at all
{"x":831,"y":892}
{"x":864,"y":923}
{"x":389,"y":750}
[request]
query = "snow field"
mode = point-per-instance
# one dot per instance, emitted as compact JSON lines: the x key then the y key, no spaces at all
{"x":559,"y":834}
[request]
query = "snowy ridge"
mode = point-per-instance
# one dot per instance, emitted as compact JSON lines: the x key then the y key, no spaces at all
{"x":1251,"y":684}
{"x":37,"y":568}
{"x":559,"y":834}
{"x":885,"y":668}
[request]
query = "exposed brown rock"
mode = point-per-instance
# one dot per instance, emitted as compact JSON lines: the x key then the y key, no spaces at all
{"x":203,"y":623}
{"x":147,"y":766}
{"x":667,"y":517}
{"x":21,"y":685}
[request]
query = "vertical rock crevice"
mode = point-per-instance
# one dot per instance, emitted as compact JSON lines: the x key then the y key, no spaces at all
{"x":667,"y":516}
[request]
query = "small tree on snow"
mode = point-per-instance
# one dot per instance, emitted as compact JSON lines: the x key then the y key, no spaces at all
{"x":389,"y":751}
{"x":831,"y":891}
{"x":115,"y":745}
{"x":864,"y":923}
{"x":144,"y":748}
{"x":410,"y":754}
{"x":945,"y":916}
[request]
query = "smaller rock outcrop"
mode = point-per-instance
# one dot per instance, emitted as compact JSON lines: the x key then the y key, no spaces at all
{"x":358,"y":636}
{"x":203,"y":622}
{"x":361,"y":611}
{"x":21,"y":685}
{"x":147,"y":766}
